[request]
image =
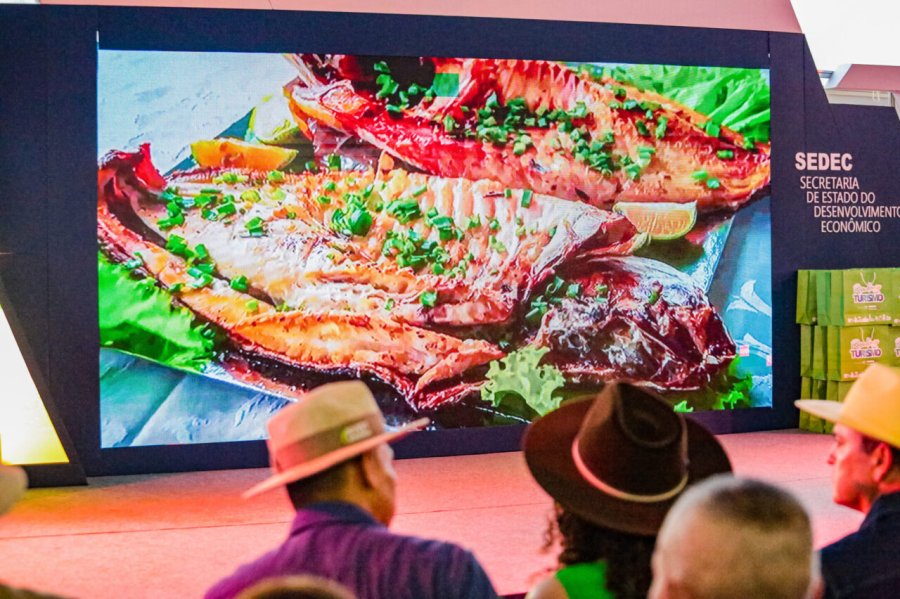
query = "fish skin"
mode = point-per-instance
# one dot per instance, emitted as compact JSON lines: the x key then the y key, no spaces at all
{"x":303,"y":262}
{"x":655,"y":328}
{"x":407,"y":357}
{"x":417,"y":136}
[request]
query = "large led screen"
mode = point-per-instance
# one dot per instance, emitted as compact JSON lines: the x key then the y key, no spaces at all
{"x":480,"y":239}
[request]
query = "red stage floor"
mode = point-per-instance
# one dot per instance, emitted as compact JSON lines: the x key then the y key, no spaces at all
{"x":173,"y":535}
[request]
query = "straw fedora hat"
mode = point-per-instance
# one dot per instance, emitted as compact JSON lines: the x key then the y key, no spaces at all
{"x":621,"y":459}
{"x":871,"y":407}
{"x":327,"y":426}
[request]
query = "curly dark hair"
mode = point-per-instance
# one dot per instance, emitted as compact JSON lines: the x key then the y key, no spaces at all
{"x":627,"y":556}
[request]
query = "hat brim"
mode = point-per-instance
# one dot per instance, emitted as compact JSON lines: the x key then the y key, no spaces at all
{"x":827,"y":410}
{"x":333,"y":458}
{"x":547,"y":446}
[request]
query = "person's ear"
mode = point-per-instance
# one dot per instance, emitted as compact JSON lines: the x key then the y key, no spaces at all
{"x":370,"y":468}
{"x":883,"y":462}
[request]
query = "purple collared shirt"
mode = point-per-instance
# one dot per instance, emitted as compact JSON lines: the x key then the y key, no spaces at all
{"x":341,"y":542}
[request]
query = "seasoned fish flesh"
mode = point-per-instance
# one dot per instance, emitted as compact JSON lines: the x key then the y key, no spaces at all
{"x":633,"y":319}
{"x":534,"y":125}
{"x":413,"y":247}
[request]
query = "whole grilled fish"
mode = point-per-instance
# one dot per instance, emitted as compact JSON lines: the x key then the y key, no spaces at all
{"x":337,"y":271}
{"x":532,"y":124}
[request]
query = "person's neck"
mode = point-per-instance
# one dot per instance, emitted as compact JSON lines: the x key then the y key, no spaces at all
{"x":884,"y":488}
{"x":354,"y":497}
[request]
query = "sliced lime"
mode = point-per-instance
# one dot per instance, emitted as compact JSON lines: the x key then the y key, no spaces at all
{"x":271,"y":122}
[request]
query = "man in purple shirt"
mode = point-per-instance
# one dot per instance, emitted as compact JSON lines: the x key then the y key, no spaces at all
{"x":330,"y":450}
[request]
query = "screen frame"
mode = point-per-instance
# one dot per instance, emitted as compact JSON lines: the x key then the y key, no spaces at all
{"x":68,"y":79}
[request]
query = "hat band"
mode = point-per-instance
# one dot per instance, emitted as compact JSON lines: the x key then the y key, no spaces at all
{"x":618,"y":493}
{"x":326,"y":441}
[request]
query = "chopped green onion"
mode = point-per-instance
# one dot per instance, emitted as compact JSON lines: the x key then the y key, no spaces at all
{"x":494,"y":224}
{"x":330,"y":186}
{"x":654,"y":297}
{"x":712,"y":128}
{"x":496,"y":244}
{"x":311,"y":166}
{"x":661,"y":127}
{"x":240,"y":283}
{"x":359,"y":221}
{"x":526,"y":198}
{"x":202,"y":252}
{"x":573,"y":290}
{"x":725,"y":154}
{"x":250,"y":195}
{"x":275,"y":176}
{"x":700,"y":175}
{"x":323,"y":200}
{"x":449,"y":124}
{"x":601,"y":290}
{"x":474,"y":222}
{"x":404,"y":209}
{"x":226,"y":210}
{"x":333,"y":161}
{"x":255,"y":227}
{"x":252,"y":306}
{"x":713,"y":183}
{"x":428,"y":299}
{"x":167,"y":223}
{"x":178,"y":246}
{"x":417,"y":192}
{"x":641,"y":127}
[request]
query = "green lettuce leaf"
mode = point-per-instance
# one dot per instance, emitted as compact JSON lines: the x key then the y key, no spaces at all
{"x":138,"y":317}
{"x":519,"y":377}
{"x":736,"y":98}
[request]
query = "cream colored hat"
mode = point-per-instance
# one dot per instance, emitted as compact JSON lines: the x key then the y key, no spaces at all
{"x":872,"y":405}
{"x":327,"y":426}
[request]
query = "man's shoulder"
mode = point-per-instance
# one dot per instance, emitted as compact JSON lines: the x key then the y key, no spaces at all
{"x":423,"y":546}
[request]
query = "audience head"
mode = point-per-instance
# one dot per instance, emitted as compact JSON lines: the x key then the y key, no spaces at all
{"x":13,"y":482}
{"x":729,"y":537}
{"x":621,"y":459}
{"x":297,"y":587}
{"x":615,"y":464}
{"x":332,"y":445}
{"x":866,"y":450}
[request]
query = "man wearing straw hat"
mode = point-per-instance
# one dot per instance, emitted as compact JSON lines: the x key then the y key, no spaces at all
{"x":330,"y":450}
{"x":866,"y":477}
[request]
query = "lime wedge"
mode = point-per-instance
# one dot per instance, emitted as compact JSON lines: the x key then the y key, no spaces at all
{"x":661,"y":220}
{"x":271,"y":122}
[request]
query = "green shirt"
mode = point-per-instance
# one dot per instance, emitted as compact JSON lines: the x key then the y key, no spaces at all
{"x":585,"y":581}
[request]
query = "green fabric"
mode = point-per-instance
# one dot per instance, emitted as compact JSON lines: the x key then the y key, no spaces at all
{"x":585,"y":581}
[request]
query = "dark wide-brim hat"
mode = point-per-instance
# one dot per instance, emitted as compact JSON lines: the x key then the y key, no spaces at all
{"x":621,"y":459}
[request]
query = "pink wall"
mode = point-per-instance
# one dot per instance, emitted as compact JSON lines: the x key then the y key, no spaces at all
{"x":870,"y":77}
{"x":763,"y":15}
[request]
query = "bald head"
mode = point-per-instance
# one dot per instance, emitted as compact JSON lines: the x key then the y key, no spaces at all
{"x":729,"y":537}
